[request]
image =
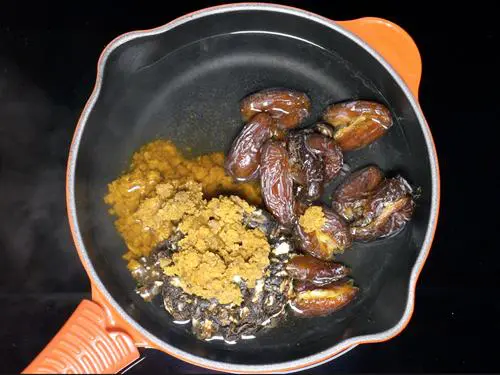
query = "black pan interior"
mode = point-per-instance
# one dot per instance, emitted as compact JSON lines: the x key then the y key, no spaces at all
{"x":185,"y":85}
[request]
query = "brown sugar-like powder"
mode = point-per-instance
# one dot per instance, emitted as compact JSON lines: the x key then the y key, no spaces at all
{"x":217,"y":251}
{"x":158,"y":170}
{"x":313,"y":219}
{"x":164,"y":192}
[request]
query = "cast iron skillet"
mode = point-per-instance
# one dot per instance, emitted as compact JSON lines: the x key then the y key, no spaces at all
{"x":183,"y":81}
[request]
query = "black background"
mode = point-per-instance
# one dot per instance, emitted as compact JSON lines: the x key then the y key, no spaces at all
{"x":48,"y":55}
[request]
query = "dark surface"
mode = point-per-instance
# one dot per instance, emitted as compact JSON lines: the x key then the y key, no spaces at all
{"x":47,"y":70}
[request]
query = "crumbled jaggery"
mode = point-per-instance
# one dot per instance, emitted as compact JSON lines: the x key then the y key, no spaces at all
{"x":217,"y":251}
{"x":158,"y":170}
{"x":156,"y":216}
{"x":313,"y":219}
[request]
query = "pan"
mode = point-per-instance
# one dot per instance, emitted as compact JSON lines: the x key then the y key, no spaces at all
{"x":183,"y":81}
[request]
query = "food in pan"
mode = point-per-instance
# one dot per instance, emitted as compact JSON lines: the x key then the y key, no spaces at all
{"x":277,"y":183}
{"x":358,"y":123}
{"x":318,"y":301}
{"x":351,"y":196}
{"x":232,"y":245}
{"x":155,"y":163}
{"x":322,"y":233}
{"x":288,"y":108}
{"x":386,"y":211}
{"x":242,"y":163}
{"x":222,"y":269}
{"x":315,"y":160}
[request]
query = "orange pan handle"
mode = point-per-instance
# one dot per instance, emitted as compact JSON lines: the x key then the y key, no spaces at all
{"x":393,"y":43}
{"x":86,"y":344}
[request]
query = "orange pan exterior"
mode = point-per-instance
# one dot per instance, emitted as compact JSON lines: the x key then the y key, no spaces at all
{"x":98,"y":339}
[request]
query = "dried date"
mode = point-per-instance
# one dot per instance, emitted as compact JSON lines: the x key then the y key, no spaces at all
{"x":333,"y":237}
{"x":300,"y":206}
{"x":314,"y":159}
{"x":325,"y":129}
{"x":306,"y":167}
{"x":350,"y":197}
{"x":386,"y":212}
{"x":315,"y":271}
{"x":287,"y":107}
{"x":302,"y":286}
{"x":277,"y":183}
{"x":358,"y":123}
{"x":326,"y":300}
{"x":243,"y":160}
{"x":329,"y":152}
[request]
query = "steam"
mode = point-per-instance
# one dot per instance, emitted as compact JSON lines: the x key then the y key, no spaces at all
{"x":35,"y":134}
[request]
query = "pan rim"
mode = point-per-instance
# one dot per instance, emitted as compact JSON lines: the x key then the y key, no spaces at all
{"x":288,"y":366}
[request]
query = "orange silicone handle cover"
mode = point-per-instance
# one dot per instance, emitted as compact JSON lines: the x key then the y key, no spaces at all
{"x":393,"y":43}
{"x":84,"y":345}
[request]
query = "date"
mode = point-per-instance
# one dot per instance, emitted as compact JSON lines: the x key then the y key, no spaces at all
{"x":243,"y":160}
{"x":315,"y":271}
{"x":358,"y":123}
{"x":350,"y":197}
{"x":277,"y":182}
{"x":326,"y":300}
{"x":287,"y":107}
{"x":300,"y":206}
{"x":306,"y":167}
{"x":325,"y":129}
{"x":386,"y":212}
{"x":302,"y":286}
{"x":315,"y":159}
{"x":329,"y":152}
{"x":331,"y":238}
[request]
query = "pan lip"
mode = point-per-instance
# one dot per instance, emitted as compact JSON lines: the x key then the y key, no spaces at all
{"x":288,"y":366}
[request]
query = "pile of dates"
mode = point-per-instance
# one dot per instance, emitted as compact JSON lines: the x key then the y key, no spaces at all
{"x":294,"y":164}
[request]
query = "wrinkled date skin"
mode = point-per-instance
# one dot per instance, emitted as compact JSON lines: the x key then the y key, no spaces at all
{"x":329,"y":151}
{"x":243,"y":160}
{"x":314,"y":160}
{"x":306,"y":167}
{"x":334,"y":237}
{"x":315,"y":271}
{"x":350,"y":197}
{"x":358,"y":123}
{"x":287,"y":107}
{"x":386,"y":212}
{"x":277,"y":183}
{"x":326,"y":300}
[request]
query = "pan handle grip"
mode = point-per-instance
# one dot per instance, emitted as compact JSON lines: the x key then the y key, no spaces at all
{"x":84,"y":345}
{"x":393,"y":43}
